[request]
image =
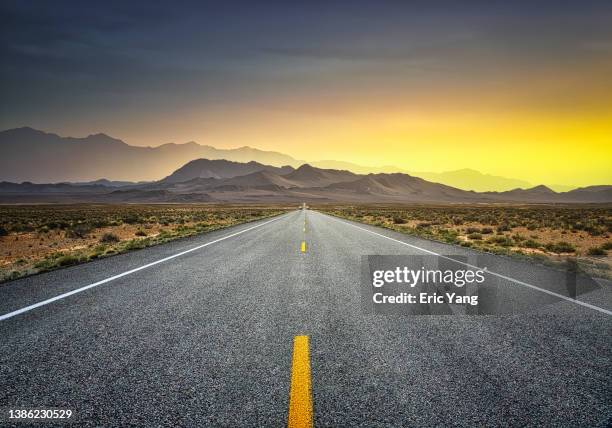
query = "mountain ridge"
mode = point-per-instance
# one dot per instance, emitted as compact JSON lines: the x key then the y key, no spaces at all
{"x":28,"y":154}
{"x":220,"y":168}
{"x":237,"y":182}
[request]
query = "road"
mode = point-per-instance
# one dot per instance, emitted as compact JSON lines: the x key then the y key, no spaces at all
{"x":200,"y":332}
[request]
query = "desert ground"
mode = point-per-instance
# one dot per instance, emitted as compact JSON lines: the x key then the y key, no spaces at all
{"x":37,"y":238}
{"x":568,"y":236}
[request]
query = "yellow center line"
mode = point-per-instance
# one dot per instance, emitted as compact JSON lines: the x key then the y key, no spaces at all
{"x":303,"y":246}
{"x":300,"y":395}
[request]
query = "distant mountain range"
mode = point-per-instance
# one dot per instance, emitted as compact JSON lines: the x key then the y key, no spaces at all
{"x":467,"y":179}
{"x":28,"y":154}
{"x":221,"y":181}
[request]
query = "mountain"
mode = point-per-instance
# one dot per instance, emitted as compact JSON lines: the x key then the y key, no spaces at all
{"x":260,"y":179}
{"x":148,"y":196}
{"x":601,"y":193}
{"x":406,"y":187}
{"x":309,"y":176}
{"x":218,"y":181}
{"x":536,"y":194}
{"x":466,"y":179}
{"x":37,"y":156}
{"x":108,"y":183}
{"x":353,"y":167}
{"x":27,"y":187}
{"x":544,"y":194}
{"x":318,"y":184}
{"x":27,"y":154}
{"x":220,"y":168}
{"x":469,"y":179}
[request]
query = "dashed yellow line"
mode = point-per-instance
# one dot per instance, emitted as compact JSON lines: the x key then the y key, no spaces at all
{"x":303,"y":246}
{"x":300,"y":394}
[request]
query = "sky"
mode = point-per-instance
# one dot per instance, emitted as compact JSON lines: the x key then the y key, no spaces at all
{"x":512,"y":88}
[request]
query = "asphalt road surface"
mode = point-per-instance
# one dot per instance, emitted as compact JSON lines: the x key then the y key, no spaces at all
{"x":200,"y":332}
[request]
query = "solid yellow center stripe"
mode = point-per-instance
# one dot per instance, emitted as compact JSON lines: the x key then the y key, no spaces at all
{"x":300,"y":395}
{"x":303,"y":246}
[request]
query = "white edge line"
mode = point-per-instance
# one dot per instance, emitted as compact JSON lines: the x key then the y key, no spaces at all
{"x":129,"y":272}
{"x":499,"y":275}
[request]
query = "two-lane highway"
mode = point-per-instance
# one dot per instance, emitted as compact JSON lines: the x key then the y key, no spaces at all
{"x":202,"y":332}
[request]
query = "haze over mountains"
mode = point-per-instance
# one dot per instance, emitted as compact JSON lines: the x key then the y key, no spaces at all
{"x":27,"y":154}
{"x":467,"y":179}
{"x":223,"y":181}
{"x":31,"y":155}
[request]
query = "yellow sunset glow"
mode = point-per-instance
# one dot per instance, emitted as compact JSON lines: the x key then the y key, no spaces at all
{"x":567,"y":149}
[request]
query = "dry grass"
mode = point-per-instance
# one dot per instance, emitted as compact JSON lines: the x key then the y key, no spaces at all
{"x":44,"y":237}
{"x":551,"y":234}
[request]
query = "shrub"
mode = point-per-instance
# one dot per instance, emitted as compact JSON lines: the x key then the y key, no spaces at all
{"x":109,"y":238}
{"x":67,"y":260}
{"x":560,"y":247}
{"x":607,"y":246}
{"x":22,"y":228}
{"x":58,"y":225}
{"x":398,"y":220}
{"x":44,"y":264}
{"x":486,"y":230}
{"x":3,"y":231}
{"x":98,"y":250}
{"x":131,"y":218}
{"x":596,"y":251}
{"x":503,"y":228}
{"x":448,"y":235}
{"x":79,"y":230}
{"x":140,"y":233}
{"x":593,"y":230}
{"x":472,"y":230}
{"x":504,"y":241}
{"x":530,"y":243}
{"x":136,"y":244}
{"x":475,"y":236}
